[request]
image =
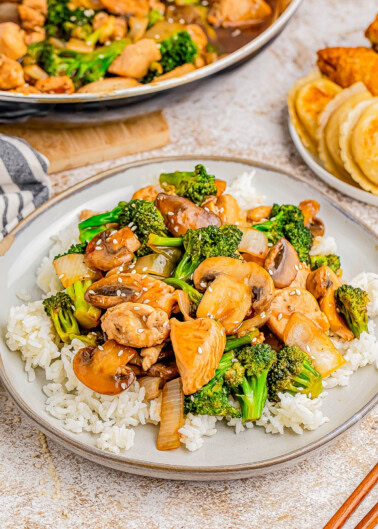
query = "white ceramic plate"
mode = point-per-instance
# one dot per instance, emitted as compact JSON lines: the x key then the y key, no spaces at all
{"x":226,"y":455}
{"x":316,"y":165}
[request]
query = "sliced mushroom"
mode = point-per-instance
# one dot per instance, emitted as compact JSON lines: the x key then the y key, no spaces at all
{"x":251,"y":273}
{"x":226,"y":300}
{"x":198,"y":346}
{"x":180,"y":214}
{"x":254,"y":245}
{"x":136,"y":325}
{"x":338,"y":326}
{"x":150,"y":356}
{"x":290,"y":300}
{"x":282,"y":263}
{"x":103,"y":369}
{"x":322,"y":279}
{"x":146,"y":193}
{"x":310,"y":208}
{"x":111,"y":248}
{"x":118,"y":288}
{"x":305,"y":334}
{"x":259,"y":213}
{"x":163,"y":371}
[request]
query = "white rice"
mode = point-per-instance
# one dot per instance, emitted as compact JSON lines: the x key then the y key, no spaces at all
{"x":112,"y":418}
{"x":323,"y":246}
{"x":245,"y":193}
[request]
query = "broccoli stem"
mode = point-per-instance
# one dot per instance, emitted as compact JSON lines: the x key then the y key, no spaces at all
{"x":234,"y":343}
{"x":156,"y":240}
{"x":254,"y":396}
{"x":187,"y":266}
{"x":96,"y":224}
{"x":86,"y":314}
{"x":193,"y":294}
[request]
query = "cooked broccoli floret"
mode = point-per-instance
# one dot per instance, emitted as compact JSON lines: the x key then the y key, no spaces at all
{"x":200,"y":245}
{"x":352,"y":303}
{"x":139,"y":214}
{"x":61,"y":311}
{"x":293,"y":372}
{"x":193,"y":294}
{"x":252,"y":392}
{"x":62,"y":22}
{"x":175,"y":51}
{"x":197,"y":186}
{"x":86,"y":314}
{"x":212,"y":399}
{"x":235,"y":343}
{"x":331,"y":260}
{"x":82,"y":68}
{"x":75,"y":248}
{"x":287,"y":221}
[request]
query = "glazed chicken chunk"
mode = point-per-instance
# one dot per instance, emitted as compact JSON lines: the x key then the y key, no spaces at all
{"x":136,"y":325}
{"x":136,"y":59}
{"x":234,"y":13}
{"x":12,"y":40}
{"x":11,"y":74}
{"x":372,"y":33}
{"x":138,"y":8}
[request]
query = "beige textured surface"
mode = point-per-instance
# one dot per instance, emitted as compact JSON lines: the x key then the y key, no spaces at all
{"x":242,"y":113}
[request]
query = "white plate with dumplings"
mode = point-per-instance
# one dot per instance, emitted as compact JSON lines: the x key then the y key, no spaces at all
{"x":335,"y":131}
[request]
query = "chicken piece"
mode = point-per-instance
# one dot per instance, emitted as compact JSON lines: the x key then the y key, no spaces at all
{"x":30,"y":18}
{"x":38,"y":5}
{"x":138,"y":8}
{"x":138,"y":28}
{"x":321,"y":280}
{"x":107,"y":85}
{"x":198,"y":346}
{"x":136,"y":59}
{"x":238,"y":13}
{"x":145,"y":193}
{"x":180,"y":214}
{"x":346,"y":66}
{"x":118,"y":288}
{"x":38,"y":35}
{"x":300,"y":280}
{"x":12,"y":40}
{"x":372,"y":33}
{"x":179,"y":71}
{"x":227,"y":209}
{"x":116,"y":27}
{"x":156,"y":4}
{"x":111,"y":248}
{"x":26,"y":90}
{"x":150,"y":356}
{"x":289,"y":300}
{"x":56,"y":85}
{"x":11,"y":74}
{"x":258,"y":214}
{"x":136,"y":325}
{"x":198,"y":35}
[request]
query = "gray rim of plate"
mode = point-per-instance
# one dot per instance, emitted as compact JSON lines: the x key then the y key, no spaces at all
{"x":357,"y":193}
{"x":145,"y":90}
{"x":144,"y":467}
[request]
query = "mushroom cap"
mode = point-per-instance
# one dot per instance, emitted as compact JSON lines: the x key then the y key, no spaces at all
{"x":322,"y":279}
{"x":282,"y":263}
{"x":111,"y":248}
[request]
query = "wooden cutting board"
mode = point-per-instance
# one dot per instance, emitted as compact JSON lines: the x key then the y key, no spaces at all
{"x":68,"y":147}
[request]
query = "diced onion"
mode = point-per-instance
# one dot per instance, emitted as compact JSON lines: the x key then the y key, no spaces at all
{"x":254,"y":243}
{"x":151,"y":386}
{"x":172,"y":415}
{"x":254,"y":323}
{"x":183,"y":303}
{"x":71,"y":268}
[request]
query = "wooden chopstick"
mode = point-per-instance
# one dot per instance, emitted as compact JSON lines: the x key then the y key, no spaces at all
{"x":370,"y":520}
{"x":354,"y":500}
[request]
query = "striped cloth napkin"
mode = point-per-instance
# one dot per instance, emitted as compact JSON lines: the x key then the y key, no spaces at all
{"x":24,"y":184}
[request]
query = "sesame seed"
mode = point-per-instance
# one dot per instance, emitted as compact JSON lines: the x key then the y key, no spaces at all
{"x":236,"y":322}
{"x":199,"y":237}
{"x":130,"y":224}
{"x":221,"y":210}
{"x":131,"y":266}
{"x":262,"y":314}
{"x":308,"y":348}
{"x":133,"y":271}
{"x":120,"y":280}
{"x":292,"y":293}
{"x":98,"y":248}
{"x":313,"y":357}
{"x":146,"y":301}
{"x":136,"y":308}
{"x":192,"y":398}
{"x":254,"y":340}
{"x":166,"y":323}
{"x":61,"y":275}
{"x":100,"y":347}
{"x":133,"y":228}
{"x":170,"y":213}
{"x":144,"y":269}
{"x":139,"y":331}
{"x":203,"y":284}
{"x":210,"y":289}
{"x":176,"y":228}
{"x":270,"y":271}
{"x":144,"y":289}
{"x":123,"y":385}
{"x":279,"y":317}
{"x":91,"y":292}
{"x":118,"y":292}
{"x":200,"y":350}
{"x":115,"y":241}
{"x":296,"y":267}
{"x":120,"y":353}
{"x":206,"y":209}
{"x":113,"y":232}
{"x":298,"y":291}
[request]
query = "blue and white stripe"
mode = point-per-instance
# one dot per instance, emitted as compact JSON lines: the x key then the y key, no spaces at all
{"x":24,"y":184}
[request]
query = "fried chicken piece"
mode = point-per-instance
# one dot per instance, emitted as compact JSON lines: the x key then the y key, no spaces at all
{"x":372,"y":33}
{"x":30,"y":18}
{"x":11,"y":73}
{"x":12,"y":40}
{"x":138,"y":8}
{"x":135,"y":59}
{"x":55,"y":85}
{"x":346,"y":66}
{"x":238,"y":13}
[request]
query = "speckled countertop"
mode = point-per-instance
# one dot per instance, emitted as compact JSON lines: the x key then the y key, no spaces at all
{"x":43,"y":486}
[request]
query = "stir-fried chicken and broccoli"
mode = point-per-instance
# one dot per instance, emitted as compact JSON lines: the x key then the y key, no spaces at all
{"x":223,"y":316}
{"x":98,"y":46}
